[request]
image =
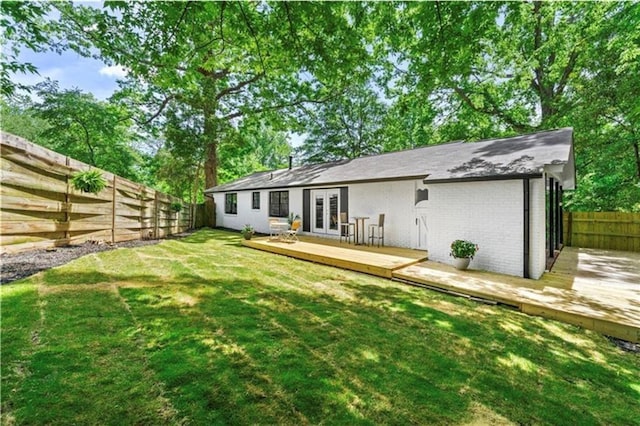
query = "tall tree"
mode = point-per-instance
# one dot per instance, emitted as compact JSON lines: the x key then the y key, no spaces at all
{"x":347,"y":126}
{"x":225,"y":59}
{"x":606,"y":115}
{"x":17,"y":117}
{"x":500,"y":68}
{"x":89,"y":130}
{"x":514,"y":62}
{"x":253,"y":146}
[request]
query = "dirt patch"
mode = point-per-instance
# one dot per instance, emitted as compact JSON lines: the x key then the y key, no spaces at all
{"x":21,"y":265}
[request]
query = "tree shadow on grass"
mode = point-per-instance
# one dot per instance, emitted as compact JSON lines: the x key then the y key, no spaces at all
{"x":252,"y":350}
{"x":328,"y":354}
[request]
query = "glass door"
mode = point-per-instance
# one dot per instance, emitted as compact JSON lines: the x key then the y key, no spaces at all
{"x":325,"y":216}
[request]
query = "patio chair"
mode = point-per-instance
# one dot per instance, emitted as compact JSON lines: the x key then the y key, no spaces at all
{"x":376,"y":232}
{"x":347,"y":229}
{"x":275,"y":229}
{"x":291,"y":236}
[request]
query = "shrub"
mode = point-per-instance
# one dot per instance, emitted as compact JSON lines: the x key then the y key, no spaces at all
{"x":463,"y":248}
{"x":89,"y":181}
{"x":247,"y":232}
{"x":176,"y":207}
{"x":292,"y":218}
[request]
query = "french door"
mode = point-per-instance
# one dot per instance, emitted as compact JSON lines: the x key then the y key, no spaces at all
{"x":325,"y":213}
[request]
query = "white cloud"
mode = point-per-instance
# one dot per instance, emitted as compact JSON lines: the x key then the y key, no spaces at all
{"x":30,"y":79}
{"x":113,"y":71}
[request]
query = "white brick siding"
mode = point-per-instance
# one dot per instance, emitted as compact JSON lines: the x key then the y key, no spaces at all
{"x":259,"y":219}
{"x":395,"y":200}
{"x":488,"y":213}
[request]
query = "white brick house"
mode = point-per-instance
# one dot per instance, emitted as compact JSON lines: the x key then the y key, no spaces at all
{"x":502,"y":194}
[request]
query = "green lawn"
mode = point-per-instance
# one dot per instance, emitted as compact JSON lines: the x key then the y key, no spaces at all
{"x":203,"y":331}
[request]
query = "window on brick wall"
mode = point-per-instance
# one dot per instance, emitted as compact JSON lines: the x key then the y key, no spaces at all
{"x":231,"y":203}
{"x":279,"y":203}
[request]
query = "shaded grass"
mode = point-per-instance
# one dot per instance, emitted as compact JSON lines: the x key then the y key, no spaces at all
{"x":204,"y":331}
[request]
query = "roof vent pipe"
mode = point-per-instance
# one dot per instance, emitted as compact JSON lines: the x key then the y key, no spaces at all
{"x":290,"y":162}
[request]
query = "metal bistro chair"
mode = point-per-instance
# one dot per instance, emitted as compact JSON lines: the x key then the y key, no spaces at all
{"x":347,"y":229}
{"x":376,"y":232}
{"x":291,"y":236}
{"x":274,"y":230}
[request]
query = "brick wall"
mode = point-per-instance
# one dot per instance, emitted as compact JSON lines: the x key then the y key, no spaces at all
{"x":395,"y":200}
{"x":259,"y":218}
{"x":487,"y":213}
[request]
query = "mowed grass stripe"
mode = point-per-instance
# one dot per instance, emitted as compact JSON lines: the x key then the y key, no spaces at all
{"x":19,"y":333}
{"x":86,"y":366}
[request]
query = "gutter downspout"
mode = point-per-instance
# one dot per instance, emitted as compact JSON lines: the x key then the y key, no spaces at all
{"x":526,"y":227}
{"x":551,"y":222}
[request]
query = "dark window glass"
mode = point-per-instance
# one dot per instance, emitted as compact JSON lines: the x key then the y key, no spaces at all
{"x":231,"y":203}
{"x":279,"y":203}
{"x":333,"y":212}
{"x":320,"y":211}
{"x":255,"y":201}
{"x":422,"y":195}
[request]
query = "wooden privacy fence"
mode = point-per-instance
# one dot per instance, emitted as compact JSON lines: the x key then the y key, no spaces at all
{"x":40,"y":208}
{"x":604,"y":230}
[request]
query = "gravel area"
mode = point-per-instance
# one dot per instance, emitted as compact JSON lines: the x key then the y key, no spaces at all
{"x":22,"y":265}
{"x":624,"y":345}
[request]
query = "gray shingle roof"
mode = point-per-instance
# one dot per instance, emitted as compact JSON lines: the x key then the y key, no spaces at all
{"x":492,"y":158}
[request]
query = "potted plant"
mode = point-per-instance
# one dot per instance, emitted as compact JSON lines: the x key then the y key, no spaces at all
{"x":292,"y":218}
{"x":462,"y":252}
{"x":90,"y":181}
{"x":247,"y":232}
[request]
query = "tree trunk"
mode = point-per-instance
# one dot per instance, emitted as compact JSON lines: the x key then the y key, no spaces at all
{"x":210,"y":165}
{"x":636,"y":151}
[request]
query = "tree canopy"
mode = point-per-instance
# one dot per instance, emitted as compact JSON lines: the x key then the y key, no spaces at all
{"x":220,"y":85}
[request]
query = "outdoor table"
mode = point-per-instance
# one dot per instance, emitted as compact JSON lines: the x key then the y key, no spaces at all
{"x":360,"y":229}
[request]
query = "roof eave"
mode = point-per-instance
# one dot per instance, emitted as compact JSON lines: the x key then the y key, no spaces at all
{"x":515,"y":176}
{"x":221,"y":189}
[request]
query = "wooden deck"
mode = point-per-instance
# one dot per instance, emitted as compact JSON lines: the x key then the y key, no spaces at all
{"x":595,"y":289}
{"x":371,"y":260}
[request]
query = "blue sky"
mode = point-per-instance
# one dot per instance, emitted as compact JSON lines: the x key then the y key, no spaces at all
{"x":71,"y":71}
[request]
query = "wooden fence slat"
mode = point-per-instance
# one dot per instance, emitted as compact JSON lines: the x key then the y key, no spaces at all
{"x":19,"y":157}
{"x":603,"y":230}
{"x":41,"y":209}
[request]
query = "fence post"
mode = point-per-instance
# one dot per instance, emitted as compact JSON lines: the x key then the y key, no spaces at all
{"x":113,"y":212}
{"x":143,"y":230}
{"x":67,"y":215}
{"x":155,"y":215}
